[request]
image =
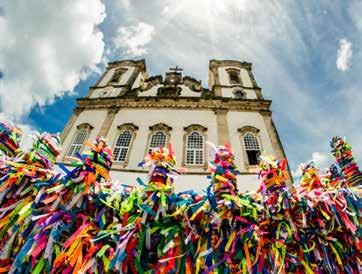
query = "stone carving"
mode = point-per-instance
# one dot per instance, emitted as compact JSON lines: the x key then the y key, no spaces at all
{"x":192,"y":83}
{"x":151,"y":82}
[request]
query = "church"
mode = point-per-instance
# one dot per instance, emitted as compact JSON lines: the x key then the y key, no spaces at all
{"x":136,"y":112}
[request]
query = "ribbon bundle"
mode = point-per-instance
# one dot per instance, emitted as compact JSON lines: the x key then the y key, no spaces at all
{"x":10,"y":138}
{"x":80,"y":222}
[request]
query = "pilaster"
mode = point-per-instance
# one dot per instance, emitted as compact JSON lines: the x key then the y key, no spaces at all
{"x":222,"y":126}
{"x":276,"y":143}
{"x":108,"y":121}
{"x":216,"y":85}
{"x":70,"y":124}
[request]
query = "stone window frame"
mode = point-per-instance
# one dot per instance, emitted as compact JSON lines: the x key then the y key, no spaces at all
{"x":242,"y":131}
{"x":122,"y":128}
{"x":237,"y":72}
{"x":83,"y":126}
{"x":158,"y":127}
{"x":201,"y":130}
{"x":121,"y":71}
{"x":242,"y":91}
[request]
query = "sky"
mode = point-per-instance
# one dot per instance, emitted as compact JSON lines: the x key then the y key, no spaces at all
{"x":306,"y":57}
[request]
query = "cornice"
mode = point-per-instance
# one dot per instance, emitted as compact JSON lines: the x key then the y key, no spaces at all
{"x":236,"y":85}
{"x":255,"y":105}
{"x":229,"y":63}
{"x":133,"y":63}
{"x":108,"y":85}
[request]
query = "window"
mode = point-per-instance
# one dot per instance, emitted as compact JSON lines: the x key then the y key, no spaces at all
{"x":194,"y":146}
{"x":117,"y":74}
{"x":239,"y":94}
{"x":252,"y":148}
{"x":121,"y":148}
{"x":78,"y":141}
{"x":195,"y":149}
{"x":123,"y":143}
{"x":234,"y":77}
{"x":158,"y":139}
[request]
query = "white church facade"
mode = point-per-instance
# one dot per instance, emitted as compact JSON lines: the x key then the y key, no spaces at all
{"x":136,"y":113}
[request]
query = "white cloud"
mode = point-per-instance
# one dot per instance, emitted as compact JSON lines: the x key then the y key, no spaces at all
{"x":344,"y":55}
{"x":125,"y":4}
{"x":46,"y":47}
{"x":320,"y":159}
{"x":133,"y":39}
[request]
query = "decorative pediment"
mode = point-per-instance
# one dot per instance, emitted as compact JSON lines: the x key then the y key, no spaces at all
{"x":85,"y":126}
{"x":245,"y":129}
{"x":192,"y":83}
{"x":128,"y":126}
{"x":207,"y":93}
{"x":160,"y":126}
{"x":169,"y":91}
{"x":173,"y":79}
{"x":195,"y":127}
{"x":129,"y":93}
{"x":141,"y":64}
{"x":151,"y":82}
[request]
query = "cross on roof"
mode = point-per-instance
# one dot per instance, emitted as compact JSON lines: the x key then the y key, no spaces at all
{"x":176,"y":69}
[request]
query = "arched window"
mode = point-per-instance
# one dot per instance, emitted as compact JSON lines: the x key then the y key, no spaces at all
{"x":234,"y":76}
{"x":252,"y":148}
{"x":194,"y":149}
{"x":117,"y":74}
{"x":158,"y":139}
{"x":79,"y":138}
{"x":121,"y":148}
{"x":123,"y":143}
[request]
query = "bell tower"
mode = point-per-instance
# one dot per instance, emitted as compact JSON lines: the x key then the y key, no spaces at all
{"x":120,"y":78}
{"x":233,"y":79}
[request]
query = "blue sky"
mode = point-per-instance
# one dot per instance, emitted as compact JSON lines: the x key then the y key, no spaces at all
{"x":306,"y":56}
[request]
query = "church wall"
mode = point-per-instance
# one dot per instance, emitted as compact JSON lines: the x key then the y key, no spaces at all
{"x":238,"y":120}
{"x":185,"y":182}
{"x":177,"y":119}
{"x":93,"y":117}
